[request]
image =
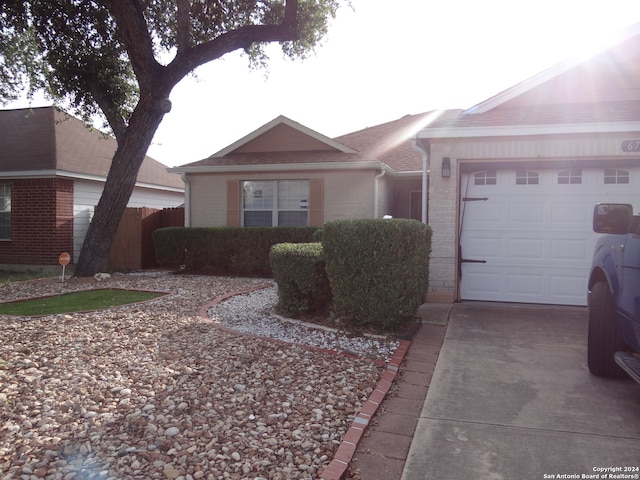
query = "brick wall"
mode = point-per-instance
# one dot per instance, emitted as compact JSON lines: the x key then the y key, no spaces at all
{"x":41,"y":222}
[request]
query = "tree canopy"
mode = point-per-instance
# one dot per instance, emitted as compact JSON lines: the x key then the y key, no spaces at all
{"x":120,"y":59}
{"x":100,"y":56}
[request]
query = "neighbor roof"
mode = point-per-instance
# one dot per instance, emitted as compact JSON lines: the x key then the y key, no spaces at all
{"x":47,"y":141}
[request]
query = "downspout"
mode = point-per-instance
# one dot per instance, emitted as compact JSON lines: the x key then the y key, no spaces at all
{"x":187,"y":200}
{"x":415,"y":143}
{"x":376,"y":193}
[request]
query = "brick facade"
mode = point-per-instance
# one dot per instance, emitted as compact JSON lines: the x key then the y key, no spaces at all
{"x":41,"y":221}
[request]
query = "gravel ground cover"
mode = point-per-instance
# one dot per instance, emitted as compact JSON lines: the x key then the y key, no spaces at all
{"x":151,"y":391}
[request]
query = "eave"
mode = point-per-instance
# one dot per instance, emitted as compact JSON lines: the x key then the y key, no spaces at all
{"x":285,"y":167}
{"x":22,"y":174}
{"x":529,"y":130}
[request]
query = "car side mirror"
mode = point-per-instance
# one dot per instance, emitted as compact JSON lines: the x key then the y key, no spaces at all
{"x":612,"y":218}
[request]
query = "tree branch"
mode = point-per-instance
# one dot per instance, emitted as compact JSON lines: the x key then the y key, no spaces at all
{"x":241,"y":38}
{"x":110,"y":110}
{"x":134,"y":32}
{"x":183,"y":26}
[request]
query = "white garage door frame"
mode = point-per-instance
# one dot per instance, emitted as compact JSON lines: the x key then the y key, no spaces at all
{"x":530,"y":242}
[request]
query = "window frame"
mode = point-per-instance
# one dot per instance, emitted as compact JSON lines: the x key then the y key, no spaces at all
{"x":5,"y":211}
{"x":277,"y":195}
{"x":571,"y":176}
{"x":486,"y":177}
{"x":527,"y":177}
{"x":617,"y":176}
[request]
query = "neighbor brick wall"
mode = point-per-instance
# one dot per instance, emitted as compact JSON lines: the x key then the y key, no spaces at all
{"x":41,"y":222}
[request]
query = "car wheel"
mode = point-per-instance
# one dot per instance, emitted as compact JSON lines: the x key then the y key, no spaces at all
{"x":603,"y":340}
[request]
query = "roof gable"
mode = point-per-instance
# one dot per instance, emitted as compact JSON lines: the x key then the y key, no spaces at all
{"x":283,"y":135}
{"x":598,"y":94}
{"x":609,"y":76}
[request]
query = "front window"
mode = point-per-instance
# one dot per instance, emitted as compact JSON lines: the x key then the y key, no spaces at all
{"x":282,"y":203}
{"x":5,"y":212}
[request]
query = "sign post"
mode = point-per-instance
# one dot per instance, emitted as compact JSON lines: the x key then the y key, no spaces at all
{"x":64,"y":260}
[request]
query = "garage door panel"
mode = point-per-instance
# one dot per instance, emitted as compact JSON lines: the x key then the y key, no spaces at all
{"x":484,"y":285}
{"x":536,"y":239}
{"x":534,"y":287}
{"x":484,"y":248}
{"x":524,"y":284}
{"x":570,"y":286}
{"x":480,"y":214}
{"x":525,"y":213}
{"x":566,"y":250}
{"x":570,"y":213}
{"x":526,"y":248}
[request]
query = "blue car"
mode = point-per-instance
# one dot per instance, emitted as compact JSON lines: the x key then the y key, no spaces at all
{"x":614,"y":293}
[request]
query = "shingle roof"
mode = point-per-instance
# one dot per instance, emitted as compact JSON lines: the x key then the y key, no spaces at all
{"x":390,"y":142}
{"x":45,"y":139}
{"x":627,"y":111}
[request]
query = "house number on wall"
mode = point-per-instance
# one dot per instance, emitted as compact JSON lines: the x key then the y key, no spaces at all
{"x":631,"y":146}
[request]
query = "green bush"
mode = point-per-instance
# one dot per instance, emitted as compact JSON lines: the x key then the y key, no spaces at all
{"x":299,"y":271}
{"x":225,"y":250}
{"x":378,"y":269}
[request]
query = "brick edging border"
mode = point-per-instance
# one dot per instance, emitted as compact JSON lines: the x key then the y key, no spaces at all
{"x":347,"y":449}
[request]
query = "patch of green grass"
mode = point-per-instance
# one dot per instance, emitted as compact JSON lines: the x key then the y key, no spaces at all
{"x":76,"y":302}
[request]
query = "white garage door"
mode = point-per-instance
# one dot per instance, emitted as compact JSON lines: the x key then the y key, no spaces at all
{"x":526,"y":236}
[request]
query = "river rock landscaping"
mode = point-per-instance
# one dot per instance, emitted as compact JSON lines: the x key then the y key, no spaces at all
{"x":156,"y":391}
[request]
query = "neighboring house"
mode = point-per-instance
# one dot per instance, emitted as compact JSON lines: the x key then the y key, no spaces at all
{"x":512,"y":220}
{"x":284,"y":173}
{"x":52,"y":173}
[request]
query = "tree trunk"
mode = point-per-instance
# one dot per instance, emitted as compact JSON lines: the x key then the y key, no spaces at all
{"x":132,"y":149}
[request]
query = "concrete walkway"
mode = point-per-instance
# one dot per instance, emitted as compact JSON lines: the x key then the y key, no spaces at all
{"x":511,"y":398}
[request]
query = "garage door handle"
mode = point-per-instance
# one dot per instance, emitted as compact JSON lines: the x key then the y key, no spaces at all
{"x":468,"y":260}
{"x":474,"y":199}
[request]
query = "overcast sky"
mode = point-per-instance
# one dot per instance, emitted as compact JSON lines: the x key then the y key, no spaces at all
{"x":385,"y":59}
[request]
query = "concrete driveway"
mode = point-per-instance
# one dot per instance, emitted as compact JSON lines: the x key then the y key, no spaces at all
{"x":512,"y":398}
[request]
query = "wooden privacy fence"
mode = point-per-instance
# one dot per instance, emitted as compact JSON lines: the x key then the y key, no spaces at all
{"x":132,"y":247}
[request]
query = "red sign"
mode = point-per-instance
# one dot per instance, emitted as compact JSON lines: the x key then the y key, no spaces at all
{"x":64,"y":259}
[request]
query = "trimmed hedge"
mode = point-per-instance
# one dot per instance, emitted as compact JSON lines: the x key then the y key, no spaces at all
{"x":303,"y":286}
{"x":378,"y":269}
{"x":225,"y":250}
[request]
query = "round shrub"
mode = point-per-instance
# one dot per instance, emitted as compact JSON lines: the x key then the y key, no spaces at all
{"x":299,"y":271}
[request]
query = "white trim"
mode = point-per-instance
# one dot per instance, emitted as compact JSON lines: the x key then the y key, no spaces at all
{"x":285,"y":121}
{"x":281,"y":167}
{"x":524,"y":130}
{"x":79,"y":176}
